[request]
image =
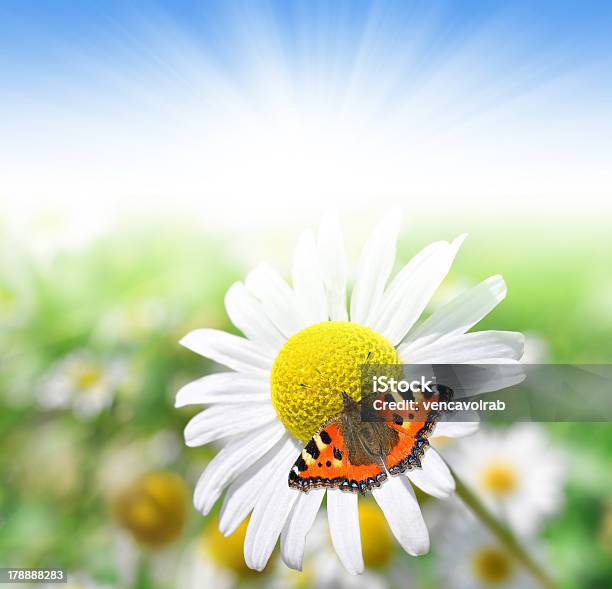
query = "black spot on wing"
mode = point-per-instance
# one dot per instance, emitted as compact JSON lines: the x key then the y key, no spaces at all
{"x":312,"y":449}
{"x":337,"y":454}
{"x":325,"y":437}
{"x":301,"y":464}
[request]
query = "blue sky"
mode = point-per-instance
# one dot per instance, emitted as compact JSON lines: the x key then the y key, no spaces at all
{"x":37,"y":38}
{"x":462,"y":103}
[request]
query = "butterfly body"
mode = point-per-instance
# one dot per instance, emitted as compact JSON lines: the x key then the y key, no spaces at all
{"x":357,"y":456}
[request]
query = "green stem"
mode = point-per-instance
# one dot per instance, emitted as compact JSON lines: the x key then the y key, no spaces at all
{"x":502,"y":533}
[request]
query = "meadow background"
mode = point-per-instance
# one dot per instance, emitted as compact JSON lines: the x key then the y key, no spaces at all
{"x":129,"y":295}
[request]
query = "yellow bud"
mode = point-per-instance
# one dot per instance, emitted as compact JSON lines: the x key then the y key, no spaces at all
{"x":152,"y":508}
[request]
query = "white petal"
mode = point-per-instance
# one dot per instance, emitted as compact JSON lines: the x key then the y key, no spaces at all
{"x":455,"y":429}
{"x":433,"y":477}
{"x":462,"y":313}
{"x":374,"y":268}
{"x":343,"y":517}
{"x":308,"y":282}
{"x":398,"y":502}
{"x":224,"y":387}
{"x":230,"y":350}
{"x":231,"y":461}
{"x":248,"y":315}
{"x":271,"y":511}
{"x":276,"y":296}
{"x":467,"y":348}
{"x":412,"y":289}
{"x":242,"y":494}
{"x":332,"y":257}
{"x":220,"y":421}
{"x":293,"y":537}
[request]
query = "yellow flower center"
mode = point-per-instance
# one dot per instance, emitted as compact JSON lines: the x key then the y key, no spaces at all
{"x":85,"y":375}
{"x":227,"y":551}
{"x":153,"y":508}
{"x":316,"y":365}
{"x":499,"y":478}
{"x":376,"y":541}
{"x":491,"y":565}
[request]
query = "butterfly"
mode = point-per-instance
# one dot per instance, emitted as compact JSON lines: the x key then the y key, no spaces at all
{"x":356,"y":456}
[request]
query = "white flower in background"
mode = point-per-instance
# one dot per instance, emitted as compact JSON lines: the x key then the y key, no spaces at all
{"x":308,"y":332}
{"x":468,"y":557}
{"x":82,"y":381}
{"x":515,"y":472}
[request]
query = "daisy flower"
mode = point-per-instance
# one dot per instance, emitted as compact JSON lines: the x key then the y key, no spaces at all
{"x":307,"y":334}
{"x":516,"y":473}
{"x":468,"y":557}
{"x":81,"y":381}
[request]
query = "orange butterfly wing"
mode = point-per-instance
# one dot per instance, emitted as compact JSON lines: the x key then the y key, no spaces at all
{"x":324,"y":463}
{"x":413,"y":428}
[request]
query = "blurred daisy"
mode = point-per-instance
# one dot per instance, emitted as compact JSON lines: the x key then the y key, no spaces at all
{"x":470,"y":558}
{"x":515,"y":472}
{"x":303,"y":334}
{"x":217,"y":561}
{"x":81,"y":381}
{"x":151,"y":513}
{"x":152,"y":508}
